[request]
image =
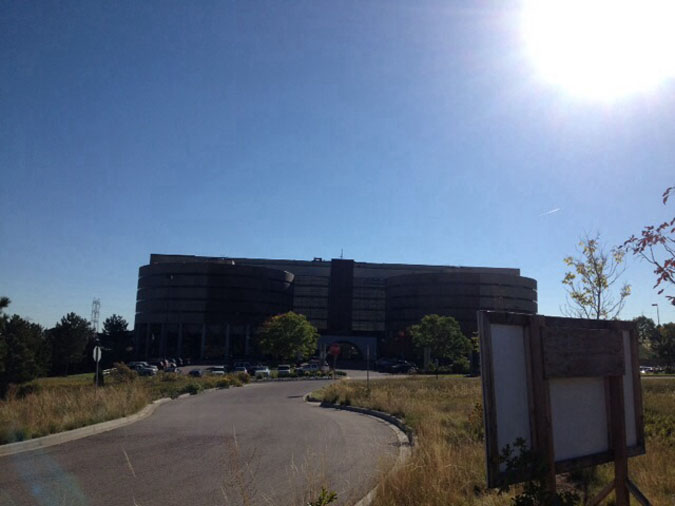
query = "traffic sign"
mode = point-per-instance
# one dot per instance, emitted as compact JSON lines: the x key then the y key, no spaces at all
{"x":97,"y":353}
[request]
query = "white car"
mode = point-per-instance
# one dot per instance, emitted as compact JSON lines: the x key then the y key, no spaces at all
{"x":216,"y":371}
{"x":262,"y":372}
{"x":312,"y":367}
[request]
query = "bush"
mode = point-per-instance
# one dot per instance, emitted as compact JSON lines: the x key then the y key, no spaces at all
{"x":168,"y":376}
{"x":243,"y":377}
{"x":461,"y":366}
{"x":191,"y":388}
{"x":228,"y":381}
{"x":122,"y":374}
{"x":21,"y":391}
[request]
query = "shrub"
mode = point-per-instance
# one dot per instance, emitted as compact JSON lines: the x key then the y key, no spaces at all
{"x":461,"y":366}
{"x":243,"y":377}
{"x":534,"y":491}
{"x":21,"y":391}
{"x":228,"y":381}
{"x":191,"y":388}
{"x":122,"y":373}
{"x":168,"y":377}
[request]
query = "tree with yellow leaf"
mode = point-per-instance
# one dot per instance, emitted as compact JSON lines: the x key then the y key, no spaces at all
{"x":592,"y":281}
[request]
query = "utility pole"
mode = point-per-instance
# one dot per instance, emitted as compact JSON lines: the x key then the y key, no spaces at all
{"x":658,"y":317}
{"x":95,"y":311}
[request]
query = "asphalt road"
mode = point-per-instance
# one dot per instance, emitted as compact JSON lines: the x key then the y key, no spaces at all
{"x":262,"y":442}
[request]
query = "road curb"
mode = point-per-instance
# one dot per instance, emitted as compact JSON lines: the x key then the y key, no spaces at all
{"x":79,"y":433}
{"x":404,"y":434}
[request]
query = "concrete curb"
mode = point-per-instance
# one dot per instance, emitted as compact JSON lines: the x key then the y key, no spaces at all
{"x":404,"y":434}
{"x":82,"y":432}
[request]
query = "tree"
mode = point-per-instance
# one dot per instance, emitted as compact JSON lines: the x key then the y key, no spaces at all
{"x":443,"y":336}
{"x":4,"y":303}
{"x":590,"y":283}
{"x":287,"y":336}
{"x":19,"y":364}
{"x":646,"y":329}
{"x":665,"y":346}
{"x":116,"y":338}
{"x":22,"y":349}
{"x":656,"y":245}
{"x":69,"y":339}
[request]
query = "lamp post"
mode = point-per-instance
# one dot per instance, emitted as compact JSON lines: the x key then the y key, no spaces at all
{"x":658,"y":318}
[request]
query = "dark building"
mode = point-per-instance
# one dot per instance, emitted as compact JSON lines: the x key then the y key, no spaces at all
{"x":208,"y":308}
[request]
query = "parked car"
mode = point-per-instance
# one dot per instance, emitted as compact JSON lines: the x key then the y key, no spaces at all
{"x":313,"y":367}
{"x":246,"y":365}
{"x":159,"y":364}
{"x":382,"y":364}
{"x":252,"y":368}
{"x":284,"y":370}
{"x":239,"y":369}
{"x":216,"y":371}
{"x":261,"y":372}
{"x":402,"y":367}
{"x":197,"y":373}
{"x":143,"y":368}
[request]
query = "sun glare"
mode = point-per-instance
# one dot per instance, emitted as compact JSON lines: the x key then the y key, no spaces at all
{"x":601,"y":49}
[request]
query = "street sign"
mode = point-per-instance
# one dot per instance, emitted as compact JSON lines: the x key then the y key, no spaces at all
{"x":97,"y":353}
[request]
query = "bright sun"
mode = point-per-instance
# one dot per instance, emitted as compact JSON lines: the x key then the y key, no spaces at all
{"x":601,"y":49}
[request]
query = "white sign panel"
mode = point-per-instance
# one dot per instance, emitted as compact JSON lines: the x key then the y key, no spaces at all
{"x":538,"y":368}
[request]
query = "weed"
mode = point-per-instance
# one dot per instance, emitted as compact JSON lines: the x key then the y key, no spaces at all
{"x":534,"y":491}
{"x":325,"y":498}
{"x":241,"y":473}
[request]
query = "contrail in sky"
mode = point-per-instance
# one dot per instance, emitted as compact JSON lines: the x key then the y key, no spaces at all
{"x":550,"y":212}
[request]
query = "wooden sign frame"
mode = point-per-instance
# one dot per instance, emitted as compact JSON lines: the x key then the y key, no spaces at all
{"x":554,"y":348}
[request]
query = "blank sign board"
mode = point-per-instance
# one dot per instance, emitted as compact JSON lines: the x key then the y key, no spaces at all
{"x":570,"y":361}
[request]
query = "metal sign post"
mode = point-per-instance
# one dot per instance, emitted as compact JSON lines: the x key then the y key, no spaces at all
{"x":368,"y":368}
{"x":335,"y":351}
{"x":97,"y":357}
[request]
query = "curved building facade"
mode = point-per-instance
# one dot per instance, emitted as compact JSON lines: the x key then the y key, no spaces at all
{"x":460,"y":295}
{"x":206,"y":310}
{"x":211,"y":307}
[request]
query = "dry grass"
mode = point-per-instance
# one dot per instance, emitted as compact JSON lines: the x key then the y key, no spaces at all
{"x":64,"y":408}
{"x":447,"y":465}
{"x":654,"y":472}
{"x":50,"y":405}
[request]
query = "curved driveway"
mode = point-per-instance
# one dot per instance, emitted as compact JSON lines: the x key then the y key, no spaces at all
{"x":262,"y":442}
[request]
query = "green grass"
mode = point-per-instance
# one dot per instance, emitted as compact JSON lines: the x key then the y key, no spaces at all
{"x":447,"y":465}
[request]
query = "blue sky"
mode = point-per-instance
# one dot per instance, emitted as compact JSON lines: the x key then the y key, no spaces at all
{"x":398,"y":131}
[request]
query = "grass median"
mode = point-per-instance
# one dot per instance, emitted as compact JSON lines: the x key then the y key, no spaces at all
{"x":50,"y":405}
{"x":447,"y":465}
